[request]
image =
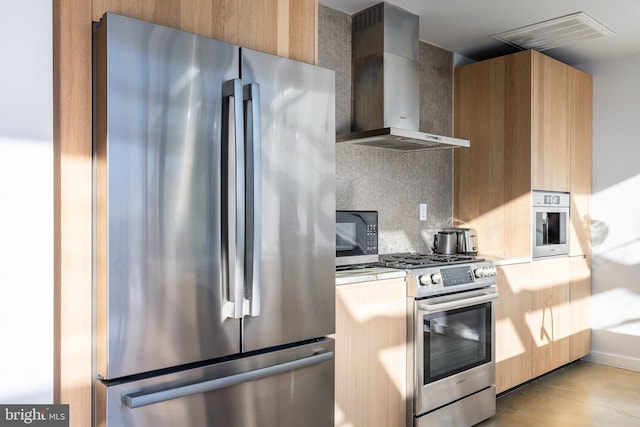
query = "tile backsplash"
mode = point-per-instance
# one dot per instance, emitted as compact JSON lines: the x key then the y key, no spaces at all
{"x":393,"y":183}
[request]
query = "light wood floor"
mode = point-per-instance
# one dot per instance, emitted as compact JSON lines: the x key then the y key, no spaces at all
{"x":581,"y":394}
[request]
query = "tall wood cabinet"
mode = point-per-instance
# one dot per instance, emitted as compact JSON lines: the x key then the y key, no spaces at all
{"x":528,"y":118}
{"x":282,"y":27}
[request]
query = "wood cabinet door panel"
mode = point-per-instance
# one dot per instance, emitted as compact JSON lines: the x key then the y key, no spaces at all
{"x":480,"y":115}
{"x":513,"y":338}
{"x":580,"y":135}
{"x":580,"y":307}
{"x":550,"y":117}
{"x":280,"y":27}
{"x":549,"y":315}
{"x":371,"y":359}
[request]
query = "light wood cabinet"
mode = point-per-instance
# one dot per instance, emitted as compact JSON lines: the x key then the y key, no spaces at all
{"x":551,"y":122}
{"x":580,"y":135}
{"x":528,"y":118}
{"x":371,"y":359}
{"x":548,"y":317}
{"x":280,"y":27}
{"x":579,"y":307}
{"x":513,"y":336}
{"x":542,"y":318}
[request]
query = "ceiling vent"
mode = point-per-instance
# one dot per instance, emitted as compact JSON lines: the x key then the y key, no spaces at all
{"x":556,"y":32}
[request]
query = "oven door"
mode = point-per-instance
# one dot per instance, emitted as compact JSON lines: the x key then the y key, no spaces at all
{"x":454,"y":347}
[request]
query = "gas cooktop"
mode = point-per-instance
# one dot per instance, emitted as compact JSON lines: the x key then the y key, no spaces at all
{"x":437,"y":274}
{"x":410,"y":260}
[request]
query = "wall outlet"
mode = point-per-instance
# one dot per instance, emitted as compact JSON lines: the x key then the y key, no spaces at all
{"x":423,"y":211}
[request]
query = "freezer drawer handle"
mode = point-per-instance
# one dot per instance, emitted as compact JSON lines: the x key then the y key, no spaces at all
{"x":136,"y":400}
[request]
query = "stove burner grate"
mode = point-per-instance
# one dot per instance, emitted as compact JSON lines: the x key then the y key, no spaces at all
{"x":415,"y":260}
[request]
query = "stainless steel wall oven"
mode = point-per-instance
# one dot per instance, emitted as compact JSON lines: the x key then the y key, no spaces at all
{"x":550,"y":224}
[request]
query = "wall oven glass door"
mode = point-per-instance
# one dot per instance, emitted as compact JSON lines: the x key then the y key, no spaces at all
{"x":454,"y":352}
{"x":550,"y":231}
{"x":550,"y":223}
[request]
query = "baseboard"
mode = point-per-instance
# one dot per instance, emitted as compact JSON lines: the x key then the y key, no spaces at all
{"x":614,"y":360}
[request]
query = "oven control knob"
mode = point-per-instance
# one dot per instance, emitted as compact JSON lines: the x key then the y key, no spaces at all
{"x":425,"y":280}
{"x":436,"y":278}
{"x":489,"y":271}
{"x":479,"y":272}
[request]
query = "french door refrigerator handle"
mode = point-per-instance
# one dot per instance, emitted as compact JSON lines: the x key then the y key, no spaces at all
{"x":138,"y":399}
{"x":254,"y":199}
{"x":233,"y":174}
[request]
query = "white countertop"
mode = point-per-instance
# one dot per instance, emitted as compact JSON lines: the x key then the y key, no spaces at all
{"x":368,"y":274}
{"x":501,"y":260}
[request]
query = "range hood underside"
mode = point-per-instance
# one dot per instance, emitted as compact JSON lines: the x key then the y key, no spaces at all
{"x":401,"y":140}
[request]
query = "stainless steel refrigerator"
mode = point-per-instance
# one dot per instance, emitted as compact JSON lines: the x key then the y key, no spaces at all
{"x":214,"y":231}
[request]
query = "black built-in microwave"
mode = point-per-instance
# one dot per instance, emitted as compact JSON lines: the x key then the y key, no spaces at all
{"x":356,"y":238}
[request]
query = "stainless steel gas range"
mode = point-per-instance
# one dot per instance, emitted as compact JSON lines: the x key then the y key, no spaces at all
{"x":451,"y":327}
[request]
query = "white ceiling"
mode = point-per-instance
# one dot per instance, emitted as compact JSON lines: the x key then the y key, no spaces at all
{"x":465,"y":26}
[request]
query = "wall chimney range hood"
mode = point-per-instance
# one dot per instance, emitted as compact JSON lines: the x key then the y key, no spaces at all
{"x":386,"y":83}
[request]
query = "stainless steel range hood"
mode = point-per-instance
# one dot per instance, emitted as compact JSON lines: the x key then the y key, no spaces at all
{"x":386,"y":83}
{"x":402,"y":139}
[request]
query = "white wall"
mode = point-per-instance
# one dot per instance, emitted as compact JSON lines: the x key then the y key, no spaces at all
{"x":26,"y":202}
{"x":616,"y":212}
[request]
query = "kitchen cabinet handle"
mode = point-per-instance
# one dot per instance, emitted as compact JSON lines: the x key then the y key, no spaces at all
{"x":457,"y":303}
{"x":136,"y":400}
{"x":233,"y":192}
{"x":254,"y":198}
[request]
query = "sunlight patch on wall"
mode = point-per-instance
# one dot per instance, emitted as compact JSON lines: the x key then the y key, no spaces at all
{"x":26,"y":270}
{"x":617,"y":310}
{"x":616,"y":222}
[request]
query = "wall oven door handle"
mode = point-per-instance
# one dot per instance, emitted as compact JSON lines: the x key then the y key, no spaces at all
{"x":455,"y":301}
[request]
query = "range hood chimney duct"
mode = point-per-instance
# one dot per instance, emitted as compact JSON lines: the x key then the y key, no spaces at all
{"x":386,"y":83}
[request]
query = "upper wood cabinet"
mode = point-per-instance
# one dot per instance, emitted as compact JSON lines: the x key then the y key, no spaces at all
{"x":551,"y":123}
{"x":280,"y":27}
{"x":580,"y":136}
{"x":528,"y":118}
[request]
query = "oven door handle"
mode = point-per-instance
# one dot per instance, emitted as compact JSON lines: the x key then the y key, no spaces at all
{"x":454,"y":302}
